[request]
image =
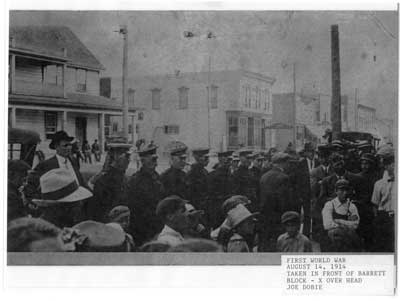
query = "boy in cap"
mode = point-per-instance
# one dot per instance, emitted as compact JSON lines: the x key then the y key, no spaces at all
{"x":173,"y":213}
{"x":145,"y":190}
{"x":292,"y":240}
{"x":243,"y":227}
{"x":174,"y":178}
{"x":340,"y":218}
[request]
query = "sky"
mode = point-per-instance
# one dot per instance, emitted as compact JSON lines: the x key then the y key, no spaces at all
{"x":267,"y":42}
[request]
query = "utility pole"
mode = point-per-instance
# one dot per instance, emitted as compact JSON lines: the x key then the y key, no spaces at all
{"x":336,"y":116}
{"x":294,"y":105}
{"x":208,"y":100}
{"x":355,"y":109}
{"x":125,"y":104}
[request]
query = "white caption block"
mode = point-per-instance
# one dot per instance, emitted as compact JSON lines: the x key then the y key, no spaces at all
{"x":338,"y":274}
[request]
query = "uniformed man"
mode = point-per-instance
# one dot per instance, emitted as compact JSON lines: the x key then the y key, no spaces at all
{"x":241,"y":178}
{"x":256,"y":173}
{"x":196,"y":182}
{"x":174,"y":178}
{"x":234,"y":164}
{"x":144,"y":192}
{"x":219,"y":188}
{"x":109,"y":189}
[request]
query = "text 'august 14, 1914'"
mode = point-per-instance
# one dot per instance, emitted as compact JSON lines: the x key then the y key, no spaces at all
{"x":325,"y":273}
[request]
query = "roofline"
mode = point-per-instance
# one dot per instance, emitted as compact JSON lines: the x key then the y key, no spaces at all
{"x":266,"y":78}
{"x":366,"y":107}
{"x":85,"y":67}
{"x":60,"y":102}
{"x":33,"y":53}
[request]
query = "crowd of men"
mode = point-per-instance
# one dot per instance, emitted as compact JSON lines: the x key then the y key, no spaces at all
{"x":339,"y":196}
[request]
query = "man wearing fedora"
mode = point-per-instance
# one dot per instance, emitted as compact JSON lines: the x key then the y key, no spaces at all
{"x":62,"y":199}
{"x":61,"y":143}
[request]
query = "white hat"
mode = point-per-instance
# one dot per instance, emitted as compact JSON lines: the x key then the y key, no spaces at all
{"x":238,"y":214}
{"x":58,"y":186}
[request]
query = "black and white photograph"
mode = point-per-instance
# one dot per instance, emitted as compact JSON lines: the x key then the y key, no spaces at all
{"x":135,"y":135}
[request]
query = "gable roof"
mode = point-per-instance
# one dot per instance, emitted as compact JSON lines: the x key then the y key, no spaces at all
{"x":51,"y":40}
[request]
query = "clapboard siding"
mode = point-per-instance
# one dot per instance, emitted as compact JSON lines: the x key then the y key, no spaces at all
{"x":28,"y":73}
{"x":93,"y":83}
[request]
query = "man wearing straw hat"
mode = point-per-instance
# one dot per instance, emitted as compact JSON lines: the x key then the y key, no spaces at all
{"x":62,"y":198}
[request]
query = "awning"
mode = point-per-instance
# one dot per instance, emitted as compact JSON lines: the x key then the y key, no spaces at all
{"x":279,"y":126}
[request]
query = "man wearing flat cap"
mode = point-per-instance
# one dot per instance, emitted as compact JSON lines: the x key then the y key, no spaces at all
{"x":145,"y":190}
{"x":241,"y":178}
{"x":61,"y":143}
{"x":174,"y":178}
{"x":196,"y":181}
{"x":275,"y":197}
{"x":219,"y":188}
{"x":17,"y":172}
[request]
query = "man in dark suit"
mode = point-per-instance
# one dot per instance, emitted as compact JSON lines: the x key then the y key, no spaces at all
{"x":61,"y":143}
{"x":242,"y":177}
{"x":275,"y":199}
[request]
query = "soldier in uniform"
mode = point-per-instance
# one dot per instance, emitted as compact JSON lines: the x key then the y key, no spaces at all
{"x":174,"y":178}
{"x":144,"y":192}
{"x":109,"y":189}
{"x":256,"y":173}
{"x":219,"y":188}
{"x":196,"y":181}
{"x":241,"y":178}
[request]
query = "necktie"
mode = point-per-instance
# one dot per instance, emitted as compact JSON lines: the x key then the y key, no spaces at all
{"x":65,"y":163}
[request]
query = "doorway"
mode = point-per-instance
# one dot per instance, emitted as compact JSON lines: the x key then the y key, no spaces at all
{"x":80,"y":128}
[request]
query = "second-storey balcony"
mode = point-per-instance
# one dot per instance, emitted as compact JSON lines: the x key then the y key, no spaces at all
{"x":36,"y":77}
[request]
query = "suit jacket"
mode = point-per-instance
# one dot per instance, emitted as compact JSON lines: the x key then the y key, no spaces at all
{"x":32,"y":190}
{"x":275,"y":195}
{"x":316,"y":176}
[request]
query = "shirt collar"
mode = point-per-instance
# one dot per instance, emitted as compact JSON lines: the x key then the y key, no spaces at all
{"x":61,"y":159}
{"x":169,"y":231}
{"x":337,"y":203}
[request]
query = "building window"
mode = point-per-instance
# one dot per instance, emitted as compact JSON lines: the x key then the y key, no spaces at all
{"x":155,"y":99}
{"x":263,"y":142}
{"x":137,"y":129}
{"x":81,"y":76}
{"x":171,"y":129}
{"x":183,"y":97}
{"x":242,"y":131}
{"x":131,"y":97}
{"x":140,"y":116}
{"x":233,"y":130}
{"x":52,"y":74}
{"x":250,"y":131}
{"x":257,"y":132}
{"x":247,"y":100}
{"x":50,"y":124}
{"x":267,"y":102}
{"x":115,"y":127}
{"x":213,"y":96}
{"x":129,"y":128}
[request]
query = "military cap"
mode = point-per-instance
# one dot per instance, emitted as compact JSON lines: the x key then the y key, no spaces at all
{"x":235,"y":157}
{"x":280,"y":157}
{"x":368,"y":157}
{"x":233,"y":201}
{"x":118,"y":212}
{"x":18,"y":166}
{"x":327,"y":132}
{"x":100,"y":236}
{"x":258,"y":156}
{"x":386,"y":151}
{"x":178,"y":151}
{"x":59,"y":136}
{"x":200,"y":151}
{"x":337,"y":144}
{"x":176,"y":148}
{"x":323,"y":148}
{"x":225,"y":154}
{"x":148,"y":151}
{"x":245,"y":153}
{"x":363,"y":144}
{"x":342,"y":184}
{"x":290,"y":216}
{"x":169,"y":205}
